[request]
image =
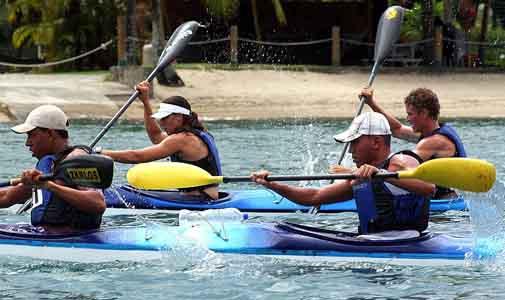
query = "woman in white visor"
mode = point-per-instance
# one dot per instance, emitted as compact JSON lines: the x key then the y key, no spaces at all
{"x":176,"y":133}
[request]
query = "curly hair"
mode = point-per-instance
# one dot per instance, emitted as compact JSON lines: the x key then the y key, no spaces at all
{"x":423,"y":98}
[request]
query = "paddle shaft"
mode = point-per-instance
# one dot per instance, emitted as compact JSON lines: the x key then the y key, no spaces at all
{"x":228,"y":179}
{"x":360,"y":108}
{"x":123,"y":109}
{"x":361,"y":105}
{"x":386,"y":36}
{"x":381,"y":50}
{"x":15,"y":181}
{"x":179,"y":39}
{"x":9,"y":182}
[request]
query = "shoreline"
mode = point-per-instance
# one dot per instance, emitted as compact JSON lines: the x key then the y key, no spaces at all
{"x":252,"y":94}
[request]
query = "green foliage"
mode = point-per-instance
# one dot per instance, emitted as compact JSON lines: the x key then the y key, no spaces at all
{"x":495,"y":53}
{"x":412,"y":27}
{"x":63,"y":28}
{"x":22,"y":34}
{"x":225,"y":9}
{"x":37,"y":22}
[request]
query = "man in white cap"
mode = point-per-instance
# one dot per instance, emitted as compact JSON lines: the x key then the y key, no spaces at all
{"x":383,"y":205}
{"x":176,"y":132}
{"x":56,"y":206}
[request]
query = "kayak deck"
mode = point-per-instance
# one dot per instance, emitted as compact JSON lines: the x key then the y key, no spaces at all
{"x":93,"y":246}
{"x":279,"y":240}
{"x":251,"y":201}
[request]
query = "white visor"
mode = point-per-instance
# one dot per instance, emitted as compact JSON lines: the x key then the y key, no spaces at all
{"x":168,"y":109}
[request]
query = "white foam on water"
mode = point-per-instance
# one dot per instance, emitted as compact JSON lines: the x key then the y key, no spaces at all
{"x":487,"y":216}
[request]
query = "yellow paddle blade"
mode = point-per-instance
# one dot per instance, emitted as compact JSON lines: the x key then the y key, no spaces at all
{"x":169,"y":175}
{"x":467,"y":174}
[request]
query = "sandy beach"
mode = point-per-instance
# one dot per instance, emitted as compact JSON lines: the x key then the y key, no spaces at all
{"x":256,"y":94}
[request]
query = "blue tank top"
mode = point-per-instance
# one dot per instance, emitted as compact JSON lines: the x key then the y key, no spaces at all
{"x":383,"y":206}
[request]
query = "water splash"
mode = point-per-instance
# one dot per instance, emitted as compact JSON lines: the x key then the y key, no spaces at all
{"x":187,"y":252}
{"x":487,"y":213}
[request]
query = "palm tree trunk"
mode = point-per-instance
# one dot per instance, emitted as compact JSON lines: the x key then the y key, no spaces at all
{"x":164,"y":26}
{"x":157,"y":38}
{"x":257,"y":28}
{"x":483,"y":31}
{"x":448,"y":11}
{"x":121,"y":40}
{"x":131,"y":32}
{"x":428,"y":32}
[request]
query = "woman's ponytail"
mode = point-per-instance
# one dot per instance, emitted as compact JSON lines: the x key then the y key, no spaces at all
{"x":195,"y":122}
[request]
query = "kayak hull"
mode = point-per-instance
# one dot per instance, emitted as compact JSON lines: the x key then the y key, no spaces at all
{"x":253,"y":201}
{"x":280,"y":240}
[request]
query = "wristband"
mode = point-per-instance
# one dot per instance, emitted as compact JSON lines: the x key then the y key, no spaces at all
{"x":98,"y":150}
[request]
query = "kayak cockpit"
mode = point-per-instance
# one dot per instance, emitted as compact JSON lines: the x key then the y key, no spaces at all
{"x":347,"y":237}
{"x":177,"y":196}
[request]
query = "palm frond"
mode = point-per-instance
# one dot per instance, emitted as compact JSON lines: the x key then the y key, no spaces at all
{"x":22,"y":35}
{"x":279,"y":12}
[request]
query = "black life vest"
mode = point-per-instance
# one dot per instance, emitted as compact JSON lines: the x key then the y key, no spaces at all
{"x":49,"y":209}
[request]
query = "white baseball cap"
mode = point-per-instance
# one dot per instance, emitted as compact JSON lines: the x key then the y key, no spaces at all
{"x":45,"y":116}
{"x":369,"y":123}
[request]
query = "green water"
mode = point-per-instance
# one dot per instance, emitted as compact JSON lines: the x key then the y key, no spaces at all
{"x":292,"y":147}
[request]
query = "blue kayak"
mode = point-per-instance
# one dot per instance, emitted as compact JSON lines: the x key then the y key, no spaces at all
{"x":252,"y":201}
{"x":279,"y":240}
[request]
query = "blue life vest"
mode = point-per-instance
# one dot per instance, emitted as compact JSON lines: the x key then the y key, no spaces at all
{"x":211,"y":163}
{"x":48,"y":209}
{"x":383,"y":206}
{"x":449,"y":132}
{"x":41,"y":197}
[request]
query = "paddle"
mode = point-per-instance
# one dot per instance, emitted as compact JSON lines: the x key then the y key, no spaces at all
{"x":388,"y":32}
{"x":461,"y":173}
{"x":179,"y":39}
{"x":95,"y":171}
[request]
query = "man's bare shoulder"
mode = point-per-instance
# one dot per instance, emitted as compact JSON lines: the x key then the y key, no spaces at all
{"x":436,"y":145}
{"x":402,"y":161}
{"x":76,"y":152}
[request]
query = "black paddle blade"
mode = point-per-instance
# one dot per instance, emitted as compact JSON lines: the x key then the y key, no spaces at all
{"x":178,"y":41}
{"x":92,"y":170}
{"x":388,"y":32}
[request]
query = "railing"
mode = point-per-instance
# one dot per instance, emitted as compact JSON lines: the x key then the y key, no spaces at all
{"x":335,"y":49}
{"x":329,"y":51}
